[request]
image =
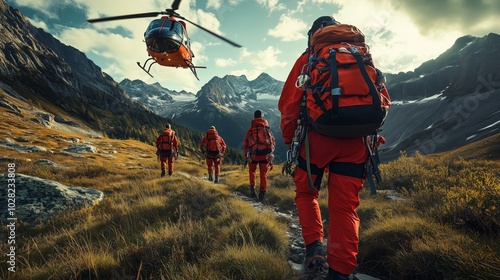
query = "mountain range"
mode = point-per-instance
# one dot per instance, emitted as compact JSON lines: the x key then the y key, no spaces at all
{"x":444,"y":104}
{"x":227,"y":103}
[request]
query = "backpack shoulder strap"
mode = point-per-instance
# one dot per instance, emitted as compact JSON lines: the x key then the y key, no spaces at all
{"x":366,"y":77}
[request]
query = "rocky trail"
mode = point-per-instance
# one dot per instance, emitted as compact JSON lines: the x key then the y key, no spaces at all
{"x":297,"y":247}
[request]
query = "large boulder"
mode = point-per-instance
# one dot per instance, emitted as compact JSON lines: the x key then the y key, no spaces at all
{"x":39,"y":199}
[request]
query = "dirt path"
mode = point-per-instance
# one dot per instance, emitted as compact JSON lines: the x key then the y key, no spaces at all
{"x":297,"y":247}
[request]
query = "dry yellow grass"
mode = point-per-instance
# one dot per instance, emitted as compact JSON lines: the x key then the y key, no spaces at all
{"x":183,"y":227}
{"x":146,"y":226}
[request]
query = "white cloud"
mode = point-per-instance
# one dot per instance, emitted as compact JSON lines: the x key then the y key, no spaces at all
{"x":289,"y":29}
{"x":40,"y":24}
{"x":245,"y":52}
{"x":199,"y":53}
{"x":46,"y":7}
{"x":225,"y":62}
{"x":214,"y":4}
{"x":395,"y":41}
{"x":259,"y":61}
{"x":208,"y":21}
{"x":272,"y":5}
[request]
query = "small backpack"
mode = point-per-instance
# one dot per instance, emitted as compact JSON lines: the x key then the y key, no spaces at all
{"x":260,"y":140}
{"x":213,"y":147}
{"x":344,"y":93}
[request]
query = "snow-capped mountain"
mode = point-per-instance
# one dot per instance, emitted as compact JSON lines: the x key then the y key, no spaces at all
{"x":162,"y":101}
{"x":227,"y":103}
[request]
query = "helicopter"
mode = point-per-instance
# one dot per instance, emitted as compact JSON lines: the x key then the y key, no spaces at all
{"x":167,"y":40}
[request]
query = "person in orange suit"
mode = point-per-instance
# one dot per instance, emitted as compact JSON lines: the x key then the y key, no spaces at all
{"x":344,"y":158}
{"x":167,"y":148}
{"x":213,"y":147}
{"x":264,"y":159}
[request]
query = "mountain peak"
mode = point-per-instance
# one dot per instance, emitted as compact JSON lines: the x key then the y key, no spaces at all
{"x":264,"y":77}
{"x":492,"y":38}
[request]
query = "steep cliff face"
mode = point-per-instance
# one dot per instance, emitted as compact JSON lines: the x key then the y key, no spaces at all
{"x":38,"y":66}
{"x":464,"y":68}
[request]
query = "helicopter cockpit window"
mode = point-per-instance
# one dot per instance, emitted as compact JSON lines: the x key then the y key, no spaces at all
{"x":154,"y":24}
{"x":164,"y":35}
{"x":177,"y":28}
{"x":172,"y":25}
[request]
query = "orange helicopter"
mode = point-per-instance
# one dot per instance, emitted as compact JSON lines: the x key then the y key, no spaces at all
{"x":167,"y":40}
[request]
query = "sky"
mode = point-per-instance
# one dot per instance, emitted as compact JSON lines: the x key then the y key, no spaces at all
{"x":402,"y":34}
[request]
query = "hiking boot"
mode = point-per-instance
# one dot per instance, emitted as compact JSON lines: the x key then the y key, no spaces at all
{"x":253,"y":194}
{"x":334,"y":275}
{"x":216,"y":178}
{"x":261,"y":195}
{"x":170,"y":173}
{"x":162,"y":172}
{"x":210,"y":178}
{"x":315,"y":256}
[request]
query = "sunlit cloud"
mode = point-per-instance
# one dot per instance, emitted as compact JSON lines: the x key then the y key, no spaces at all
{"x":289,"y":29}
{"x":214,"y":4}
{"x":272,"y":5}
{"x":224,"y":62}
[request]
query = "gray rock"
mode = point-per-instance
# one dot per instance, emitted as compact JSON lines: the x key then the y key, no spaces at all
{"x":45,"y":116}
{"x":7,"y":159}
{"x":9,"y":143}
{"x":49,"y":163}
{"x":6,"y":104}
{"x":39,"y":199}
{"x":82,"y":148}
{"x":74,"y":140}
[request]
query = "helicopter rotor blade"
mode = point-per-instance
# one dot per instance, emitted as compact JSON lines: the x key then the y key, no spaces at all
{"x":142,"y":15}
{"x":175,"y":5}
{"x":211,"y":32}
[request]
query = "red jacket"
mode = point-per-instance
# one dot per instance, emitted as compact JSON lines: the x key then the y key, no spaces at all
{"x":289,"y":103}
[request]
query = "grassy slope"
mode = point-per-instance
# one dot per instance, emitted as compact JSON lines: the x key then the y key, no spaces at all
{"x":181,"y":227}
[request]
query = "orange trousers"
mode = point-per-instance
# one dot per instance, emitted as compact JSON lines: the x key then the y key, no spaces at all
{"x":213,"y":164}
{"x":263,"y":168}
{"x":167,"y":161}
{"x":344,"y":158}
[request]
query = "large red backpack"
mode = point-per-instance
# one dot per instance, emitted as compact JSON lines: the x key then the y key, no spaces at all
{"x":166,"y":141}
{"x":260,"y":140}
{"x":345,"y":96}
{"x":213,"y":148}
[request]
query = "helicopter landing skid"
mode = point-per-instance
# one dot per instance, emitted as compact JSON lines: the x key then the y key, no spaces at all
{"x":143,"y":67}
{"x":193,"y":68}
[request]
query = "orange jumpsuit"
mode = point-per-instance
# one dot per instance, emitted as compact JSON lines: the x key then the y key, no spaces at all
{"x":167,"y":155}
{"x":213,"y":162}
{"x":263,"y":161}
{"x":344,"y":158}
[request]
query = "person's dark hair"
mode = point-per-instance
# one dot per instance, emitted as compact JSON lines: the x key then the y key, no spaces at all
{"x":168,"y":126}
{"x":317,"y":24}
{"x":257,"y":114}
